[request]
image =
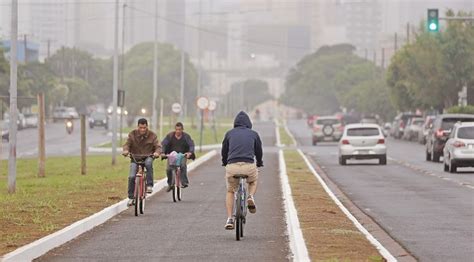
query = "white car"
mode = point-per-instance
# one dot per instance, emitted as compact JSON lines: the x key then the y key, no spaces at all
{"x":362,"y":141}
{"x":327,"y":128}
{"x":459,"y":149}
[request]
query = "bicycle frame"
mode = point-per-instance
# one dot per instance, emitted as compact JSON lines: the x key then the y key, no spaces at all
{"x":139,"y":193}
{"x":176,"y":177}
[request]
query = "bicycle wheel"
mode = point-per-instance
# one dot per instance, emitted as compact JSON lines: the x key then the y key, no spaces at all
{"x":238,"y":218}
{"x":241,"y":221}
{"x":178,"y":186}
{"x":137,"y":194}
{"x":142,"y":195}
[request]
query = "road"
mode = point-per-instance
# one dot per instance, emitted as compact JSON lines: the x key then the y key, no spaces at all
{"x":428,"y":211}
{"x":58,"y":142}
{"x":192,"y":230}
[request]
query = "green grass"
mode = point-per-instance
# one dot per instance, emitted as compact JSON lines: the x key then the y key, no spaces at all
{"x":41,"y":206}
{"x":285,"y":137}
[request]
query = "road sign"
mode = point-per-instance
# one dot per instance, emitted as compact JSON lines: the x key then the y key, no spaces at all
{"x":202,"y":103}
{"x":212,"y":105}
{"x":176,"y":108}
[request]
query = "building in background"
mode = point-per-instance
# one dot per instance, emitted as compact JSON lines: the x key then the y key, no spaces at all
{"x":28,"y":53}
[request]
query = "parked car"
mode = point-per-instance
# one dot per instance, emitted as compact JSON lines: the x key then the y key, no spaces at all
{"x":439,"y":133}
{"x":414,"y":125}
{"x":362,"y":141}
{"x":5,"y":130}
{"x":31,"y":120}
{"x":423,"y":132}
{"x":459,"y":149}
{"x":21,"y":123}
{"x":386,"y":129}
{"x":400,"y":123}
{"x":327,"y":128}
{"x":99,"y":119}
{"x":61,"y":113}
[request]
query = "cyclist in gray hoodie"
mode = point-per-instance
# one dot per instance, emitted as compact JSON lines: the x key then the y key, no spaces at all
{"x":241,"y":155}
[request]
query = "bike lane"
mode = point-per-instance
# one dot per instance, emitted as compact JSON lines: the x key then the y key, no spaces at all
{"x":192,"y":230}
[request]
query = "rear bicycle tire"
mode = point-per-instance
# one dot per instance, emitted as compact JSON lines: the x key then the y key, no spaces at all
{"x":180,"y":192}
{"x":142,"y":196}
{"x":178,"y":185}
{"x":238,"y":216}
{"x":237,"y":228}
{"x":137,"y":195}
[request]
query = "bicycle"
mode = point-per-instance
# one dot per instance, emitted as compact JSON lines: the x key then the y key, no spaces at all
{"x":174,"y":161}
{"x":240,"y":206}
{"x":139,"y":193}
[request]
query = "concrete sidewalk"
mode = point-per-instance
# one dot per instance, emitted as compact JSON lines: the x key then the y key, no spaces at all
{"x":192,"y":230}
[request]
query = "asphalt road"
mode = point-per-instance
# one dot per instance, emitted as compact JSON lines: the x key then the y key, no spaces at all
{"x":58,"y":141}
{"x":192,"y":230}
{"x":428,"y":211}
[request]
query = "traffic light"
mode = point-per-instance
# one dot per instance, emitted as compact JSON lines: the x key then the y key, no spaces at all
{"x":433,"y":20}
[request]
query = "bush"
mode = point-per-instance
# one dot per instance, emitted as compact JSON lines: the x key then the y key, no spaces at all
{"x":461,"y":110}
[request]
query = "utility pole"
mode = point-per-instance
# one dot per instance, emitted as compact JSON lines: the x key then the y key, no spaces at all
{"x":199,"y":87}
{"x":408,"y":33}
{"x":49,"y":48}
{"x":155,"y":72}
{"x":181,"y":98}
{"x":395,"y":42}
{"x":41,"y":141}
{"x":122,"y":72}
{"x":83,"y":144}
{"x":383,"y":57}
{"x":115,"y":86}
{"x":25,"y":40}
{"x":13,"y":99}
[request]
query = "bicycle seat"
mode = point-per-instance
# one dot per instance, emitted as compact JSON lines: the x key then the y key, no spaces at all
{"x":239,"y":176}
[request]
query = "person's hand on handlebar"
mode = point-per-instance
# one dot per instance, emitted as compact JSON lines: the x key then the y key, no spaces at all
{"x":125,"y":153}
{"x":188,"y":155}
{"x":156,"y":155}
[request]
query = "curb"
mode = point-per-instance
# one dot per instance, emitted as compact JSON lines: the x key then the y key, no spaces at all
{"x":298,"y":248}
{"x":383,"y":251}
{"x":295,"y":235}
{"x":45,"y":244}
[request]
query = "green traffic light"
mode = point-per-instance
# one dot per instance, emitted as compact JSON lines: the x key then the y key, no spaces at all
{"x":433,"y":26}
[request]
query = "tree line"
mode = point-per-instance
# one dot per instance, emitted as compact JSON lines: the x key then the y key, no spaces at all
{"x":74,"y":77}
{"x":426,"y":74}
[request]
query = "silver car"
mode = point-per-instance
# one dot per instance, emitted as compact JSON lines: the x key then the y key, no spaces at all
{"x":327,"y":128}
{"x":459,"y":149}
{"x":362,"y":141}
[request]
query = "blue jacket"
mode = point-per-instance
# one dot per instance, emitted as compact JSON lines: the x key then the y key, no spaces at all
{"x":242,"y":144}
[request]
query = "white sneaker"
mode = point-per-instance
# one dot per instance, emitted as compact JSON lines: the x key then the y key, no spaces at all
{"x":130,"y":202}
{"x":149,"y":189}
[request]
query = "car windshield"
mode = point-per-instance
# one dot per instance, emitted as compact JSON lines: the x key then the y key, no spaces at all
{"x":448,"y":123}
{"x":417,"y":122}
{"x":363,"y":131}
{"x":328,"y":122}
{"x":466,"y":132}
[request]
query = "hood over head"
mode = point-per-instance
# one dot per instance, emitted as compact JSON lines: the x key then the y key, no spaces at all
{"x":242,"y":119}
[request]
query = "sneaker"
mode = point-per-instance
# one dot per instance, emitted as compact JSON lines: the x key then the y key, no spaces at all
{"x":149,"y":189}
{"x":169,"y":188}
{"x":229,"y":225}
{"x":184,"y":186}
{"x":130,"y":202}
{"x":251,"y":204}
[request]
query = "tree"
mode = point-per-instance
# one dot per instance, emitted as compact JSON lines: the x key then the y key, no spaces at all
{"x":139,"y":77}
{"x":430,"y":72}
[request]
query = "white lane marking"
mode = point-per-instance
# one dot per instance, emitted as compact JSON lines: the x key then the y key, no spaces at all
{"x":429,"y":173}
{"x":45,"y":244}
{"x":290,"y":134}
{"x":297,"y":243}
{"x":383,"y":251}
{"x":277,"y":134}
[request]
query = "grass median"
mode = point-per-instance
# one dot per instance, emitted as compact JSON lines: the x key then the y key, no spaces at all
{"x":42,"y":206}
{"x":328,"y":233}
{"x":285,"y":137}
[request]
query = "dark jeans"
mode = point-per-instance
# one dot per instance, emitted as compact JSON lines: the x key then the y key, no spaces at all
{"x":184,"y":174}
{"x":133,"y":172}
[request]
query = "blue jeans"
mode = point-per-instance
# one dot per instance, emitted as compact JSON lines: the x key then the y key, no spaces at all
{"x":133,"y":173}
{"x":183,"y":176}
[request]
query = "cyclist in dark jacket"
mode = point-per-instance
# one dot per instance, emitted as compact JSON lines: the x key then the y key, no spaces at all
{"x":241,"y":155}
{"x":181,"y":142}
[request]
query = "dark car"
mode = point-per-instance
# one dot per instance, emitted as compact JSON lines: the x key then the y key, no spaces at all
{"x":400,"y":122}
{"x":98,"y":119}
{"x":439,"y":133}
